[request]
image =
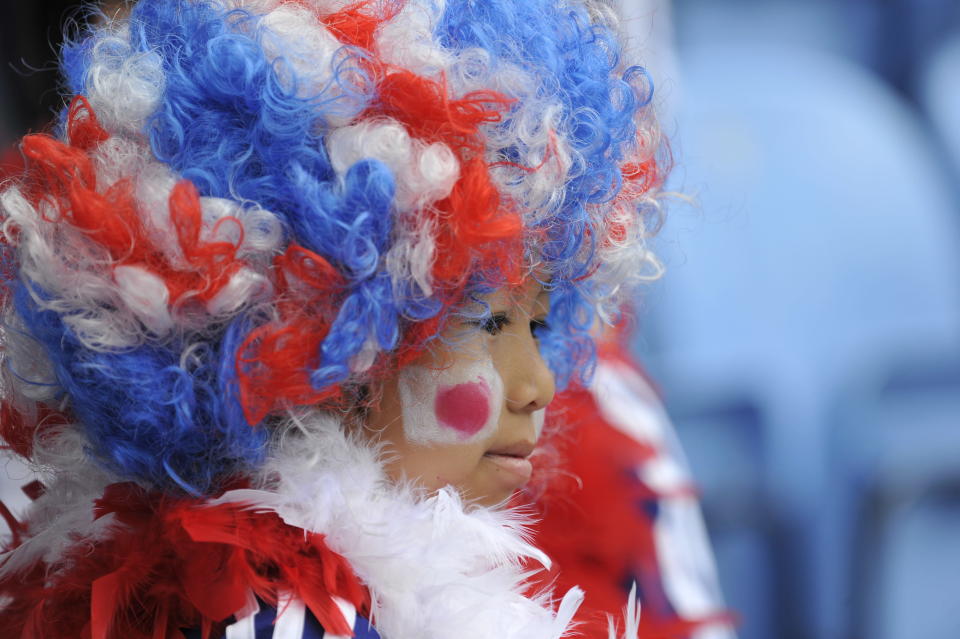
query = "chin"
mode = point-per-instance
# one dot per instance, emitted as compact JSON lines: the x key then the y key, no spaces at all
{"x":489,"y":501}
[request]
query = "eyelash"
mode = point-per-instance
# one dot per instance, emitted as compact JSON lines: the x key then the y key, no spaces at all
{"x":538,"y":326}
{"x":495,"y":323}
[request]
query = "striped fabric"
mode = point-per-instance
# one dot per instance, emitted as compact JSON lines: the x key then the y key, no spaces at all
{"x":630,"y":518}
{"x":296,"y":622}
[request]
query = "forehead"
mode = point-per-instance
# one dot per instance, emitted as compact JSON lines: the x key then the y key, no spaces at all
{"x":525,"y":295}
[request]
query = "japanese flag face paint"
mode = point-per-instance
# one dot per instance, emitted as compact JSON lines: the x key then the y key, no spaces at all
{"x":455,"y":405}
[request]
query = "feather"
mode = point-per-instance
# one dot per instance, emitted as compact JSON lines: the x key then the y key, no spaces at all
{"x":434,"y":566}
{"x":178,"y":563}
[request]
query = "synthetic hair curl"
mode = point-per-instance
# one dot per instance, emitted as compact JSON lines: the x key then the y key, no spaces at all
{"x":252,"y":205}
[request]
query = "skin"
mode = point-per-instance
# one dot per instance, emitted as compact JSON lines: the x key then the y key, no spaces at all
{"x":528,"y":386}
{"x":453,"y":404}
{"x":117,"y":8}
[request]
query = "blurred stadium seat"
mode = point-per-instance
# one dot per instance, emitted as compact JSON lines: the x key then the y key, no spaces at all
{"x":939,"y":93}
{"x":724,"y":441}
{"x":897,"y":504}
{"x":825,"y":241}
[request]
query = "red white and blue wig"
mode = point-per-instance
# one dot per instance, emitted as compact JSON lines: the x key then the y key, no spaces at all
{"x":254,"y":205}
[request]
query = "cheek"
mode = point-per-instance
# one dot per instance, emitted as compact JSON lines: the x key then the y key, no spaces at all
{"x":464,"y":408}
{"x":460,"y":405}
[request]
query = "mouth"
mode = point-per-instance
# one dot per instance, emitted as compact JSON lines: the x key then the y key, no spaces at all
{"x":520,"y":449}
{"x":512,"y":464}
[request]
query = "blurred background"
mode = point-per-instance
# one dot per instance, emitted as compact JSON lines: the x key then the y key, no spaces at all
{"x":806,"y":336}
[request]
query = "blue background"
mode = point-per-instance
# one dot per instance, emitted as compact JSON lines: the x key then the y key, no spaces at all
{"x":807,"y":332}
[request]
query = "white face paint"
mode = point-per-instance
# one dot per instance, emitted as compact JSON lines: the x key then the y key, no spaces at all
{"x":455,"y":405}
{"x":539,"y":416}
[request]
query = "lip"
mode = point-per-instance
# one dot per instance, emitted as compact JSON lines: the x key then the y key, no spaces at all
{"x":512,"y":472}
{"x":512,"y":463}
{"x":522,"y":449}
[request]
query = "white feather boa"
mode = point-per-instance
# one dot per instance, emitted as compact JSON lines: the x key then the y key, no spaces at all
{"x":434,"y":568}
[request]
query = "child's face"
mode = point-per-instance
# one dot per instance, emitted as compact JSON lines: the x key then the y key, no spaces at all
{"x":469,"y":412}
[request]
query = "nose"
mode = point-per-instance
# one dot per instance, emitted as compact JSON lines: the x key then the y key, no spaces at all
{"x":529,"y":384}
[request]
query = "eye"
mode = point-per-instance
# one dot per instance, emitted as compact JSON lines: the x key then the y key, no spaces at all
{"x":538,"y":327}
{"x":495,"y":323}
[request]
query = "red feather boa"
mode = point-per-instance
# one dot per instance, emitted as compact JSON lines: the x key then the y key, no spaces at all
{"x":173,"y":564}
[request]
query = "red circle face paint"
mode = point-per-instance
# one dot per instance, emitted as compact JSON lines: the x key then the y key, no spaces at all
{"x":464,"y":408}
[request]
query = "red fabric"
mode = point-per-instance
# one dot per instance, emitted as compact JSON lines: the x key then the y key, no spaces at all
{"x":597,"y":522}
{"x":172,"y":564}
{"x":591,"y":523}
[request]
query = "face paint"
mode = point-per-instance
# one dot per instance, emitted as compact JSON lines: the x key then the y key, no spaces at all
{"x":539,"y":416}
{"x":464,"y":407}
{"x":450,"y":406}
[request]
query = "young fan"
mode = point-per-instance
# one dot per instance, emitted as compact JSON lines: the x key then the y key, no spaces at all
{"x":285,"y":297}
